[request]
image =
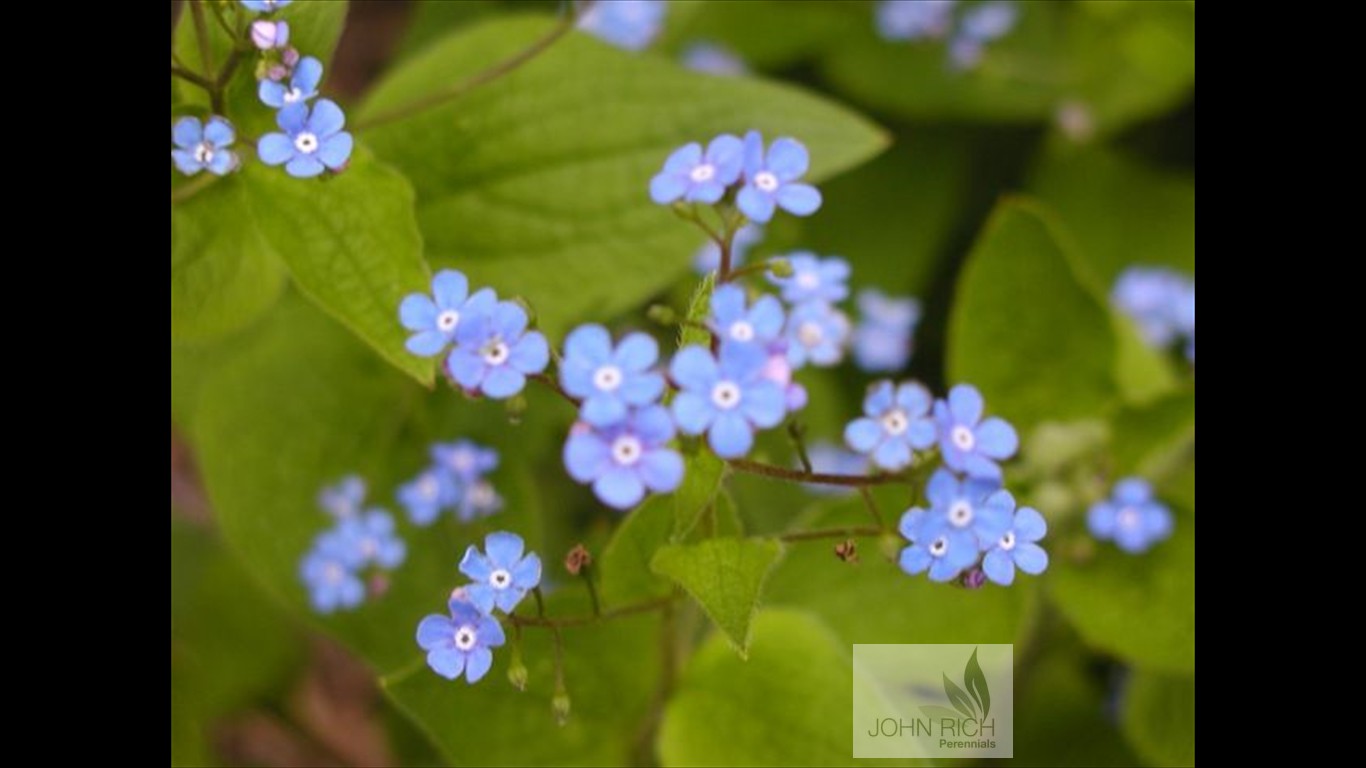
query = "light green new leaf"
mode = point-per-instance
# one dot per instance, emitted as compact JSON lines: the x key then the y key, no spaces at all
{"x":1150,"y":440}
{"x":537,"y":183}
{"x":1159,"y":718}
{"x":223,"y":272}
{"x":725,"y":577}
{"x":352,"y":245}
{"x":625,"y":562}
{"x":1025,"y":330}
{"x":702,"y":479}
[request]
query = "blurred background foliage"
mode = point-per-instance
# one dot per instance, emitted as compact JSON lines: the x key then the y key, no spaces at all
{"x":1008,"y":199}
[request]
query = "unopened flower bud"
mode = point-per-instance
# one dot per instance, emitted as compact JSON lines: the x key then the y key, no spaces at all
{"x":780,"y":268}
{"x":577,"y":559}
{"x":268,"y":35}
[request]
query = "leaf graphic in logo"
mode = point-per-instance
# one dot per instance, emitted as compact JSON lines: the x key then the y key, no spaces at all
{"x":958,"y":699}
{"x":976,"y":683}
{"x":938,"y":713}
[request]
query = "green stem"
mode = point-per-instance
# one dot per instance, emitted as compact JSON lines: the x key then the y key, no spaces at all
{"x":794,"y":431}
{"x":192,"y":78}
{"x":586,"y":572}
{"x":201,"y":34}
{"x":872,"y":507}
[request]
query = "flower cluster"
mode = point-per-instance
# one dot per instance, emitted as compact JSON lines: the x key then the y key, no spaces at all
{"x":971,"y":524}
{"x":1132,"y":517}
{"x":882,"y":341}
{"x":916,"y":20}
{"x":457,"y":480}
{"x":491,"y":352}
{"x":203,"y":146}
{"x":360,"y":541}
{"x":461,"y":642}
{"x":1162,"y":302}
{"x":760,"y":179}
{"x":629,"y":24}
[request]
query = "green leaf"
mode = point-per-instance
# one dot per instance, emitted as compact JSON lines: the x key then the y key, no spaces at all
{"x":625,"y":562}
{"x":701,"y":484}
{"x":699,"y":309}
{"x":1151,"y":440}
{"x":725,"y":577}
{"x":1024,"y":329}
{"x":748,"y":29}
{"x":1061,"y":711}
{"x":224,"y":273}
{"x":1159,"y":718}
{"x":352,"y":245}
{"x":976,"y":682}
{"x":788,"y":704}
{"x":958,"y":698}
{"x":539,"y":179}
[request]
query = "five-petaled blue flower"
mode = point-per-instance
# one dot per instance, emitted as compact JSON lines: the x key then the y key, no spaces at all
{"x":936,"y":545}
{"x":625,"y":460}
{"x":914,"y":19}
{"x":816,"y":333}
{"x":727,"y":400}
{"x":502,"y":576}
{"x":495,"y":352}
{"x":882,"y":339}
{"x":696,"y":177}
{"x":814,"y":279}
{"x":708,"y":257}
{"x":466,"y":460}
{"x":303,"y":85}
{"x":1017,"y":548}
{"x":371,"y":540}
{"x":435,"y":320}
{"x":732,"y":319}
{"x":202,"y":146}
{"x":973,"y":505}
{"x":427,"y":494}
{"x":329,"y":574}
{"x":343,"y":499}
{"x":311,"y":142}
{"x":981,"y":25}
{"x":1160,"y":300}
{"x":771,"y":179}
{"x":460,"y":643}
{"x":265,"y":6}
{"x":629,"y":24}
{"x":896,"y":421}
{"x":714,"y":59}
{"x":968,"y":442}
{"x":1131,"y":517}
{"x":609,"y":380}
{"x":477,"y":499}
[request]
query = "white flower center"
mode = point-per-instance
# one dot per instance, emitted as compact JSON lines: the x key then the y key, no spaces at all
{"x":626,"y":450}
{"x":427,"y":487}
{"x":464,"y":638}
{"x":939,"y":547}
{"x":306,"y":143}
{"x":960,"y":514}
{"x":447,"y":321}
{"x":741,"y":331}
{"x":765,"y":181}
{"x":368,"y":547}
{"x":333,"y":573}
{"x":725,"y":395}
{"x":963,"y":438}
{"x":1008,"y":541}
{"x":292,"y":95}
{"x":203,"y":153}
{"x":808,"y":280}
{"x":1129,"y":518}
{"x":495,"y":352}
{"x":810,"y":334}
{"x":894,"y":422}
{"x":607,"y":378}
{"x":500,"y":579}
{"x":703,"y":173}
{"x":462,"y":461}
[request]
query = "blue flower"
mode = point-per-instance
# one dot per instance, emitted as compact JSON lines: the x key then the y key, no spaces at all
{"x":466,"y":460}
{"x":714,"y":59}
{"x":914,"y":19}
{"x":625,"y":460}
{"x":935,"y":545}
{"x":708,"y":257}
{"x":495,"y":352}
{"x":1131,"y":517}
{"x":427,"y":494}
{"x":1161,"y":301}
{"x":371,"y":540}
{"x":435,"y":320}
{"x":778,"y":369}
{"x":969,"y":443}
{"x":503,"y":577}
{"x":610,"y":380}
{"x":1017,"y":548}
{"x":265,"y":6}
{"x":303,"y":84}
{"x":831,"y":459}
{"x":694,"y":177}
{"x":311,"y":142}
{"x":629,"y":24}
{"x":882,"y":338}
{"x":460,"y":643}
{"x":726,"y":400}
{"x":814,"y":279}
{"x":203,"y":147}
{"x":771,"y":179}
{"x":477,"y":499}
{"x":343,"y":499}
{"x":734,"y":320}
{"x":983,"y":24}
{"x":268,"y":35}
{"x":896,"y":422}
{"x":816,"y":333}
{"x":328,"y":573}
{"x":973,"y":505}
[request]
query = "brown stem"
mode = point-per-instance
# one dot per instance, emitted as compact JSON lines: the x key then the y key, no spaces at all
{"x":872,"y":507}
{"x":201,"y":33}
{"x":555,"y":387}
{"x":819,"y":478}
{"x":832,"y":533}
{"x":191,"y":77}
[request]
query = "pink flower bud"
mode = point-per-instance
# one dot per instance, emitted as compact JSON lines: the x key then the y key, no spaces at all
{"x":268,"y":35}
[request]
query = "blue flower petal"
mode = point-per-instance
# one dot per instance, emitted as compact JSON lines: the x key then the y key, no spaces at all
{"x":527,"y":574}
{"x":642,"y":389}
{"x":585,"y":456}
{"x":308,"y":73}
{"x":187,"y":132}
{"x":636,"y":352}
{"x":694,"y":368}
{"x":435,"y":631}
{"x":274,"y":148}
{"x":943,"y":489}
{"x":683,"y":159}
{"x":764,"y":404}
{"x":892,"y":455}
{"x":619,"y":487}
{"x":1029,"y":524}
{"x":661,"y":470}
{"x":965,"y":403}
{"x":653,"y":425}
{"x":603,"y":410}
{"x":446,"y":661}
{"x":727,"y":154}
{"x":502,"y":382}
{"x":921,"y":434}
{"x":335,"y":150}
{"x":304,"y":167}
{"x":531,"y":354}
{"x":426,"y":343}
{"x":665,"y":188}
{"x":271,"y":93}
{"x":692,"y":412}
{"x":788,"y":159}
{"x":996,"y":439}
{"x":291,"y":118}
{"x":980,"y":467}
{"x":727,"y":304}
{"x":218,"y":132}
{"x":999,"y":567}
{"x":417,"y":312}
{"x":754,"y":153}
{"x":944,"y":570}
{"x":1100,"y":519}
{"x":504,"y":549}
{"x":1031,"y":558}
{"x":914,"y":398}
{"x":914,"y":559}
{"x":879,"y":399}
{"x":755,"y":204}
{"x":799,"y":199}
{"x":590,"y":343}
{"x":863,"y":435}
{"x":466,"y":367}
{"x":475,"y":565}
{"x":730,"y":435}
{"x":910,"y":523}
{"x":1132,"y":491}
{"x":706,"y":192}
{"x":185,"y":162}
{"x":490,"y":631}
{"x":477,"y":664}
{"x":767,"y":317}
{"x":327,"y":118}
